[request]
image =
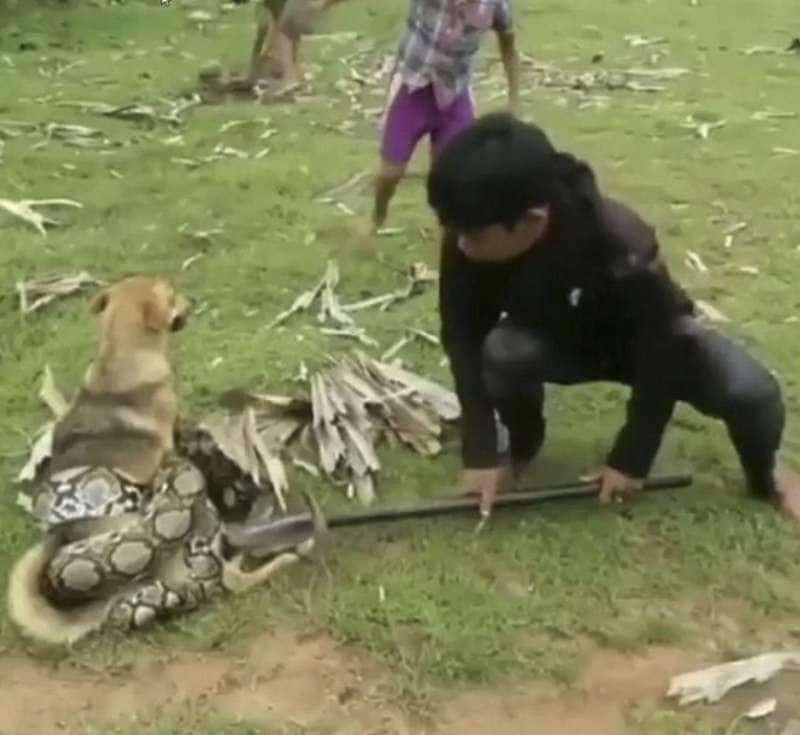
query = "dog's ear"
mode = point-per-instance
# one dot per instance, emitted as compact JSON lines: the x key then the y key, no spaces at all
{"x":156,"y":315}
{"x":99,"y":302}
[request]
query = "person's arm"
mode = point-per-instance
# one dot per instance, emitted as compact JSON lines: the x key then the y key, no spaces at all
{"x":468,"y":308}
{"x":506,"y":40}
{"x":651,"y":300}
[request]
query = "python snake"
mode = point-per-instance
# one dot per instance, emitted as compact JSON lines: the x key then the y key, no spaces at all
{"x":144,"y":553}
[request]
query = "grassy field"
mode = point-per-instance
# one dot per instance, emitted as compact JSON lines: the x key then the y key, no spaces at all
{"x":705,"y":569}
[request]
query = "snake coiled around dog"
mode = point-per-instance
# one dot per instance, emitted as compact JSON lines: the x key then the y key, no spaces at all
{"x":132,"y":507}
{"x":118,"y":555}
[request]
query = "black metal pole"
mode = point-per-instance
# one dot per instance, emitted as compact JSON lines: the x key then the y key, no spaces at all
{"x":284,"y":532}
{"x":541,"y":494}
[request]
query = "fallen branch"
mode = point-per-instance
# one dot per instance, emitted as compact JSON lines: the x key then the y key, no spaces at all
{"x":36,"y":293}
{"x":23,"y":209}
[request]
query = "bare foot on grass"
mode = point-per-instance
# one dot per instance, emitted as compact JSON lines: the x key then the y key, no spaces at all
{"x":788,"y":485}
{"x":365,"y":237}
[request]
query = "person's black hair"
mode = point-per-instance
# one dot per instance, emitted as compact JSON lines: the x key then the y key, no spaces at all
{"x":493,"y":171}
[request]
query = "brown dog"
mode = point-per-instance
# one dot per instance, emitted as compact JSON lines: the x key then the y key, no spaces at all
{"x":124,"y":416}
{"x":131,"y":534}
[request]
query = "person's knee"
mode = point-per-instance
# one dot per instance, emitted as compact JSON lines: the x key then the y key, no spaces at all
{"x":756,"y":399}
{"x":390,"y":172}
{"x":511,"y":357}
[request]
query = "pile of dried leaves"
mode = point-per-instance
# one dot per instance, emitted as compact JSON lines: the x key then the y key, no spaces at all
{"x":349,"y":409}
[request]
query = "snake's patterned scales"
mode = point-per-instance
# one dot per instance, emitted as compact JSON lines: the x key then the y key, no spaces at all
{"x":149,"y":552}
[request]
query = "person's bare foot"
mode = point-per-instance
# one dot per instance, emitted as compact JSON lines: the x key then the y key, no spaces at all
{"x":365,"y":233}
{"x":788,"y":486}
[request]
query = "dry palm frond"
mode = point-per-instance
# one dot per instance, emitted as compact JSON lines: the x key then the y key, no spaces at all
{"x":332,"y":311}
{"x":25,"y":209}
{"x":36,"y":293}
{"x":351,"y":407}
{"x":41,"y":446}
{"x":330,"y":308}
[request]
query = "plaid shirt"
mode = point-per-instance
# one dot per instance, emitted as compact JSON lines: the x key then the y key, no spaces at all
{"x":441,"y":40}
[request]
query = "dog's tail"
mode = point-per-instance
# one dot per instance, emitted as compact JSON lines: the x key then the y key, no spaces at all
{"x":34,"y":615}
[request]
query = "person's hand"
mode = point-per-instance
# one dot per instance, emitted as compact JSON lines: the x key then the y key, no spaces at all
{"x":614,"y":485}
{"x":487,"y":484}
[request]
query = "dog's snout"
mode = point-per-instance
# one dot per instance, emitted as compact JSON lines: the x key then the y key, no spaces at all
{"x":183,"y":308}
{"x":179,"y":322}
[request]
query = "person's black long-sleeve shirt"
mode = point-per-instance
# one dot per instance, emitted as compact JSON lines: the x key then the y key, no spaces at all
{"x":628,"y":304}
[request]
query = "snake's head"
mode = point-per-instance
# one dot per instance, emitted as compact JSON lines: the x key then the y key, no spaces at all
{"x":258,"y":551}
{"x":260,"y":542}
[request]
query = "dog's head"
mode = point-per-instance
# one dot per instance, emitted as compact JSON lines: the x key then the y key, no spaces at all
{"x":152,"y":302}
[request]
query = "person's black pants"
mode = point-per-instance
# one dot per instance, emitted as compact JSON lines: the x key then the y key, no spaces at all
{"x":714,"y":375}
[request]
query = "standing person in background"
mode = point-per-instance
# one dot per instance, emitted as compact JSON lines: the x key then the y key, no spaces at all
{"x":430,"y":92}
{"x":279,"y":26}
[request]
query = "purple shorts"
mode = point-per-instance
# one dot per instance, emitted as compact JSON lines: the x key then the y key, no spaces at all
{"x":413,"y":114}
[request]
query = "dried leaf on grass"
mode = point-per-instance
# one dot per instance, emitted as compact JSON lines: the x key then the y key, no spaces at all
{"x":711,"y":312}
{"x":758,"y":711}
{"x":695,"y":262}
{"x":24,"y":209}
{"x":417,"y":277}
{"x":191,"y":260}
{"x":79,"y":136}
{"x":357,"y":333}
{"x":662,"y":73}
{"x":200,"y":16}
{"x":37,"y":293}
{"x":391,"y":231}
{"x":51,"y":396}
{"x":41,"y":446}
{"x":41,"y":450}
{"x":332,"y":310}
{"x":702,"y":129}
{"x":408,"y":338}
{"x":782,"y":151}
{"x":329,"y":196}
{"x":761,"y":50}
{"x":303,"y":302}
{"x":371,"y":302}
{"x":763,"y":115}
{"x":396,"y":347}
{"x":443,"y":401}
{"x":713,"y":683}
{"x":137,"y":113}
{"x":762,"y":709}
{"x":635,"y":40}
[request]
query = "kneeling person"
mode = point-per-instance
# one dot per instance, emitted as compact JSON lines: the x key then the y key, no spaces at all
{"x":544,"y":279}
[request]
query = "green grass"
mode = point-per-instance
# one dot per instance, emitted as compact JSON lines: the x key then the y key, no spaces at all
{"x":527,"y":596}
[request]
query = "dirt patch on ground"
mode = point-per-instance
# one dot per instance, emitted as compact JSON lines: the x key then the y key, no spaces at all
{"x":318,"y":686}
{"x":609,"y":684}
{"x":283,"y":680}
